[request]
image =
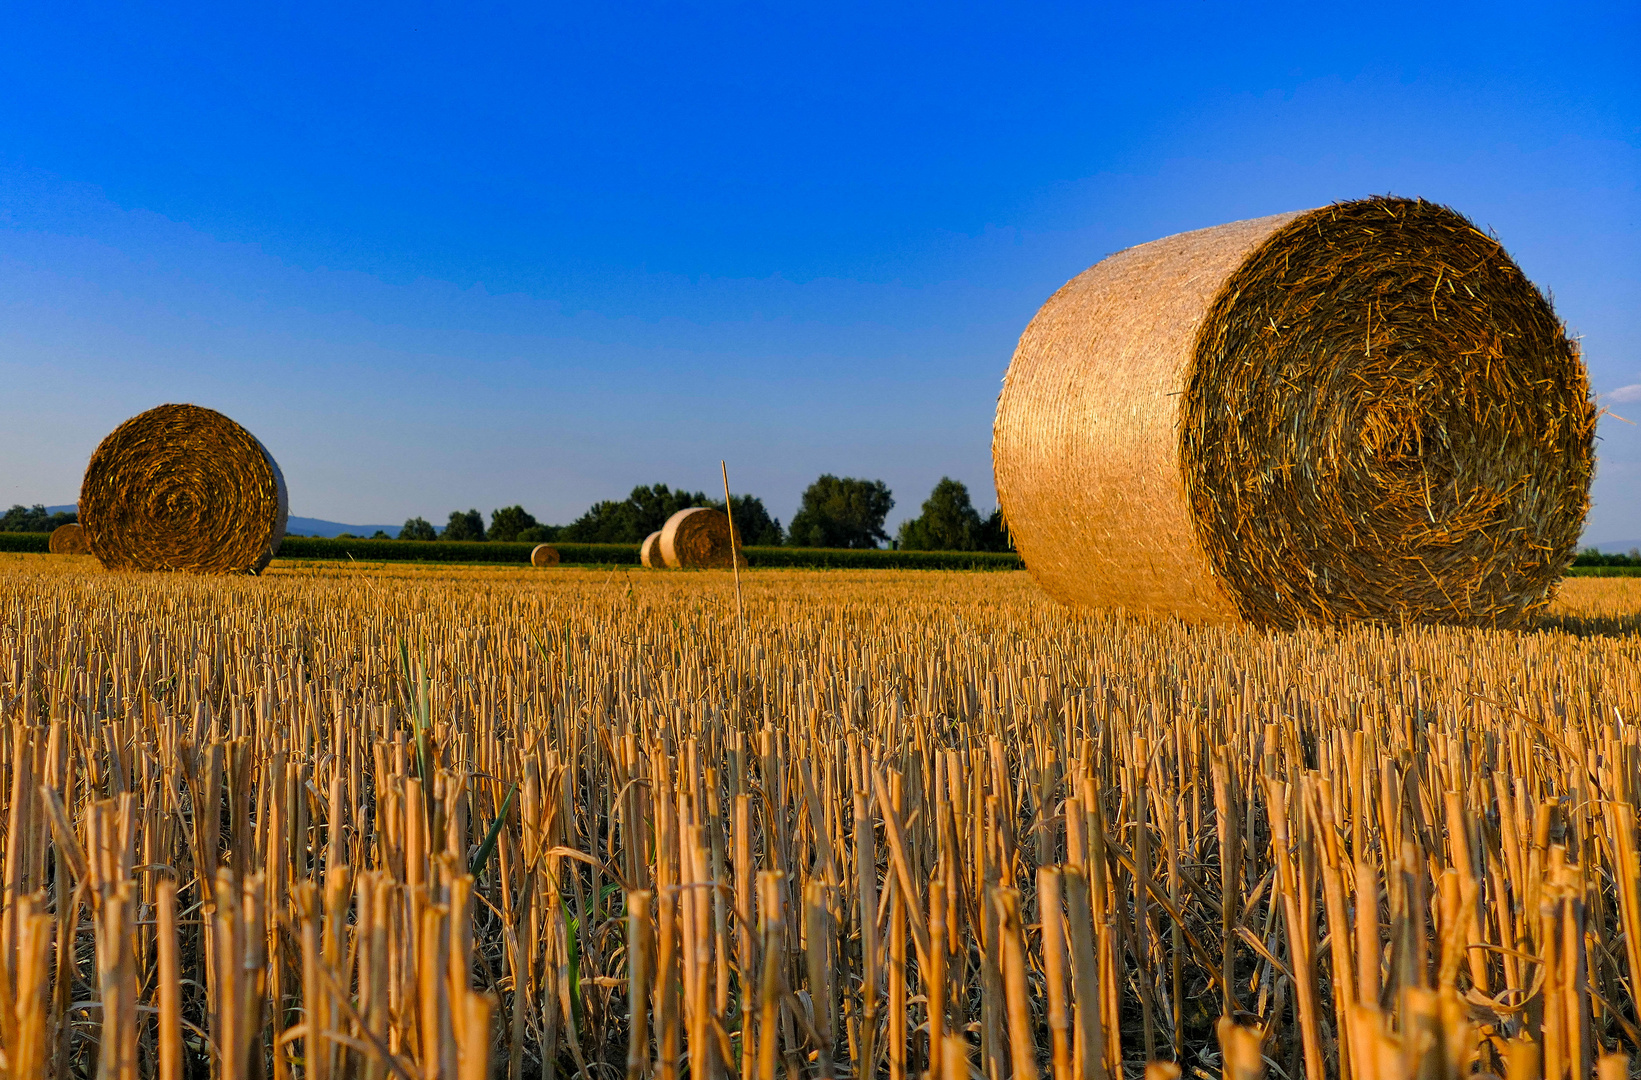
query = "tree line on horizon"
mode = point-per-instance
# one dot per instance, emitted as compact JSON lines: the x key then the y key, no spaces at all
{"x":835,"y":512}
{"x":34,"y":518}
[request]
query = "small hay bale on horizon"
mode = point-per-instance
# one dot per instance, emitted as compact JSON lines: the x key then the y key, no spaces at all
{"x":698,"y":538}
{"x":1364,"y":412}
{"x":183,"y":488}
{"x":649,"y":552}
{"x":68,"y":540}
{"x":544,"y":555}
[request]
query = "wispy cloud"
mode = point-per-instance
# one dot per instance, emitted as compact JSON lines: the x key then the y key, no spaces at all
{"x":1623,"y":394}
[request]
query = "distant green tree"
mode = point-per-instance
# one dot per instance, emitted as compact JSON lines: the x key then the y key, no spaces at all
{"x":539,"y":534}
{"x":418,"y":528}
{"x":347,"y":536}
{"x":949,"y":522}
{"x":648,"y":507}
{"x":34,"y":519}
{"x":468,"y":526}
{"x":754,"y":527}
{"x":508,"y":522}
{"x":994,"y":533}
{"x":841,"y":513}
{"x":642,"y":512}
{"x":380,"y":535}
{"x":1596,"y":557}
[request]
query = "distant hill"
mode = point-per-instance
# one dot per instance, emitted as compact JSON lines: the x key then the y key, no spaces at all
{"x":319,"y":527}
{"x":304,"y":526}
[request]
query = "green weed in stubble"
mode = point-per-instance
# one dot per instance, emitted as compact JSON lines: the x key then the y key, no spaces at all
{"x":488,"y":847}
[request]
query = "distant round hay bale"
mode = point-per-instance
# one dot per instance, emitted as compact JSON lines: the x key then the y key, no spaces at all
{"x":649,"y":552}
{"x":68,"y":540}
{"x":183,"y":488}
{"x":697,"y":539}
{"x":1361,"y":412}
{"x":544,"y":555}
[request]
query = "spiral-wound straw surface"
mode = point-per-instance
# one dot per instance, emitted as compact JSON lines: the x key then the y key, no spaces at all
{"x":698,"y":539}
{"x":68,"y":540}
{"x":181,"y":487}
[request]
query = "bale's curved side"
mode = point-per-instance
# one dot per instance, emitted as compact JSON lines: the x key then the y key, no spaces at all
{"x":1361,"y":412}
{"x":181,"y":487}
{"x":1085,"y":448}
{"x":544,"y":555}
{"x":68,"y":540}
{"x":698,"y":538}
{"x":649,"y":552}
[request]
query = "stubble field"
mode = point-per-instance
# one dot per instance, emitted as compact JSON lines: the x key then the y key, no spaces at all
{"x":887,"y":823}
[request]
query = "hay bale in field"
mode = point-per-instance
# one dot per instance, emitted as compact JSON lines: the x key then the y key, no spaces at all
{"x":544,"y":555}
{"x":1361,"y":412}
{"x":698,"y":539}
{"x":649,"y":552}
{"x":68,"y":540}
{"x":183,"y":488}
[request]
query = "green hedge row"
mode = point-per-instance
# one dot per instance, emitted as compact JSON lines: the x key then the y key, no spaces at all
{"x":38,"y":542}
{"x":459,"y":551}
{"x":450,"y":551}
{"x":842,"y":559}
{"x":467,"y":551}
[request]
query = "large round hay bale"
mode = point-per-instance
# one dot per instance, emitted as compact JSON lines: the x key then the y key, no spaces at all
{"x":698,"y":539}
{"x":1361,"y":412}
{"x":649,"y":552}
{"x":183,"y":488}
{"x":68,"y":540}
{"x":544,"y":555}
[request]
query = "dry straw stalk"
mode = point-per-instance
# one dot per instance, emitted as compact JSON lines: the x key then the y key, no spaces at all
{"x":1361,"y":412}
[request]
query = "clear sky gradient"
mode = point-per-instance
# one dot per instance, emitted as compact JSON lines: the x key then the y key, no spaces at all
{"x":469,"y":255}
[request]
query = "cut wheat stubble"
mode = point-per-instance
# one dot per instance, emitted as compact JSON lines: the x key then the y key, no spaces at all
{"x":901,"y":822}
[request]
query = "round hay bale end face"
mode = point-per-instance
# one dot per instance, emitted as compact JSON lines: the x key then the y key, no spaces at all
{"x":183,"y":488}
{"x":544,"y":555}
{"x":1362,"y":412}
{"x":649,"y":552}
{"x":698,"y":539}
{"x":68,"y":540}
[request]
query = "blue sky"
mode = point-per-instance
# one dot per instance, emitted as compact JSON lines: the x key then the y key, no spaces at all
{"x":470,"y":256}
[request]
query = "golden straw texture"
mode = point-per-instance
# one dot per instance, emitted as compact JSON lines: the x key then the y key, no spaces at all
{"x":183,"y":488}
{"x":1361,"y":412}
{"x":649,"y":553}
{"x":697,"y":539}
{"x":544,"y":555}
{"x":69,"y":540}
